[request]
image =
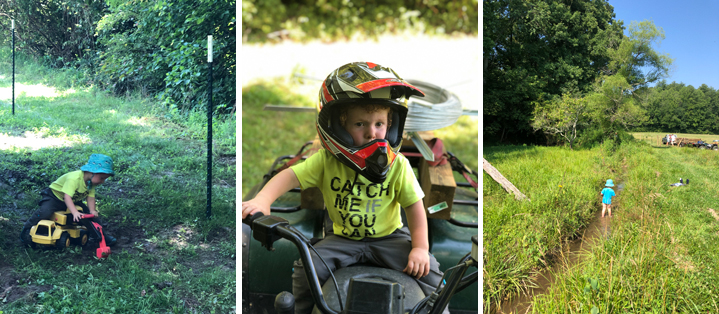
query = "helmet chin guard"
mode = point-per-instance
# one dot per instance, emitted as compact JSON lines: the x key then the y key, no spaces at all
{"x":363,"y":84}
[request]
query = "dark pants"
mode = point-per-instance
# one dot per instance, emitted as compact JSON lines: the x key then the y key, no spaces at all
{"x":391,"y":252}
{"x":49,"y":203}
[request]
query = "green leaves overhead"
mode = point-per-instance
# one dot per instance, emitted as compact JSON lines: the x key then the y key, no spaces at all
{"x":533,"y":48}
{"x":636,"y":59}
{"x":264,"y":20}
{"x":535,"y":51}
{"x":160,"y":48}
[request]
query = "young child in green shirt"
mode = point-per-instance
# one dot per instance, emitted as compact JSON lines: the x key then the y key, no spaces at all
{"x":70,"y":190}
{"x":364,"y":180}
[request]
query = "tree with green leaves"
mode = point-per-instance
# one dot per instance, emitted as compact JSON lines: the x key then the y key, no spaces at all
{"x":620,"y":94}
{"x":561,"y":117}
{"x":614,"y":107}
{"x":58,"y":32}
{"x":681,"y":108}
{"x":533,"y":48}
{"x":160,"y":48}
{"x":636,"y":59}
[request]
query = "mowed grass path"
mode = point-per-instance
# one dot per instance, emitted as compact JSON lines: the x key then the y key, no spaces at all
{"x":660,"y":255}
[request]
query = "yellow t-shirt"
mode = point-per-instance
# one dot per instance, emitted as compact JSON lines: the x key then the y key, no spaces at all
{"x":72,"y":184}
{"x":360,"y":208}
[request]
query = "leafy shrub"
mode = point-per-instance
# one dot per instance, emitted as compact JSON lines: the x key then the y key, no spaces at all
{"x":160,"y":48}
{"x":59,"y":32}
{"x":332,"y":19}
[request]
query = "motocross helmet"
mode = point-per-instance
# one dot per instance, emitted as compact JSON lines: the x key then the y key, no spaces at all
{"x":363,"y":83}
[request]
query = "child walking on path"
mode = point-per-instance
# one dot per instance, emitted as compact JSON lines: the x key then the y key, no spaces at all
{"x":608,"y":193}
{"x":70,"y":190}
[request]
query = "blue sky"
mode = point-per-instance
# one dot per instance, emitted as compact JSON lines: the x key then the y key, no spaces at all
{"x":692,"y":35}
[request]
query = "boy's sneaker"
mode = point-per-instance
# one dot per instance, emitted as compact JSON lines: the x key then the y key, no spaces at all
{"x":25,"y":236}
{"x":110,"y":240}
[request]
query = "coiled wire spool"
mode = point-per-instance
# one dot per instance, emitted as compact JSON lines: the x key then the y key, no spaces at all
{"x":439,"y":108}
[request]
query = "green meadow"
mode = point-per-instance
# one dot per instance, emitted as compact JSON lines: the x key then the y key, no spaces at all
{"x":659,"y":255}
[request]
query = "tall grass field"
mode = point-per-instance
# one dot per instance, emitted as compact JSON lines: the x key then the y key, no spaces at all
{"x":659,"y":254}
{"x":169,"y":257}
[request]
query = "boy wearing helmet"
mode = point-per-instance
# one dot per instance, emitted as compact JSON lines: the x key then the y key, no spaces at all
{"x":70,"y":190}
{"x":364,"y":180}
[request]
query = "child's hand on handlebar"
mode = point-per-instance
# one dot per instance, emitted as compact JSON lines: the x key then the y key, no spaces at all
{"x":76,"y":216}
{"x":254,"y":205}
{"x":418,"y":263}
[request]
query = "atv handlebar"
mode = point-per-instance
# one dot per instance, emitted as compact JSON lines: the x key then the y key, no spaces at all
{"x":268,"y":229}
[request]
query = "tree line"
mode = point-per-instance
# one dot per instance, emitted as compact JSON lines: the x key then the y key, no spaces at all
{"x":679,"y":108}
{"x":570,"y":72}
{"x":302,"y":20}
{"x":157,"y":48}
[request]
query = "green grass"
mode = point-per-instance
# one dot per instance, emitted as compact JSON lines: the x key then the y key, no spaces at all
{"x":519,"y":236}
{"x":267,"y":135}
{"x":170,"y":258}
{"x":660,"y":256}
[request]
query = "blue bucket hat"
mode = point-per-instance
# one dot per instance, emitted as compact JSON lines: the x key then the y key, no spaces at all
{"x":609,"y":183}
{"x":99,"y":163}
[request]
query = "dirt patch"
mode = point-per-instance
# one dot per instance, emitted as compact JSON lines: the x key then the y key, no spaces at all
{"x":14,"y":287}
{"x":29,"y":292}
{"x":203,"y":254}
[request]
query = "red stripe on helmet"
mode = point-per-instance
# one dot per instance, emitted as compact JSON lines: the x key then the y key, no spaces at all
{"x":371,"y":65}
{"x":326,"y":93}
{"x":377,"y":84}
{"x":356,"y":159}
{"x":367,"y":151}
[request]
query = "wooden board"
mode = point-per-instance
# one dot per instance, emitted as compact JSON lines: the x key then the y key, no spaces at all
{"x":438,"y":186}
{"x":497,"y":176}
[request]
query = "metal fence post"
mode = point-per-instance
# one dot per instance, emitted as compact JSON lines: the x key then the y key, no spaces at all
{"x":13,"y":66}
{"x":209,"y":129}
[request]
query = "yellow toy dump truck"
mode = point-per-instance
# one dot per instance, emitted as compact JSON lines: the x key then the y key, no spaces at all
{"x":61,"y":231}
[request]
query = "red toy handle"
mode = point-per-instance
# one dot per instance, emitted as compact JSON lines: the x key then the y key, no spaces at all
{"x":87,"y":216}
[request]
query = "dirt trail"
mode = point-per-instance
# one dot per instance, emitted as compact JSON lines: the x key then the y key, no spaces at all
{"x":571,"y":255}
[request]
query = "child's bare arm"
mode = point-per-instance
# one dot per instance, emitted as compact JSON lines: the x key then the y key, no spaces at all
{"x":71,"y":206}
{"x":278,"y":185}
{"x":91,"y":205}
{"x":418,"y":260}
